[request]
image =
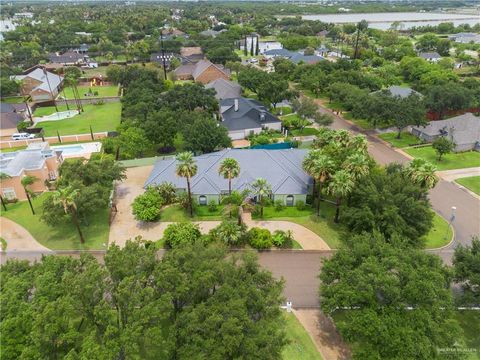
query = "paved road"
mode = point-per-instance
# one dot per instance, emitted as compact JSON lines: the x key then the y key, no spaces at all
{"x":443,"y":196}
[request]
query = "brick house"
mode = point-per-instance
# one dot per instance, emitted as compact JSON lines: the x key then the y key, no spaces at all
{"x":204,"y":72}
{"x":40,"y":84}
{"x":37,"y":160}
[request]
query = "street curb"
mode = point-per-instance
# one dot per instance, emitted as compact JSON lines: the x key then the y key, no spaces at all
{"x":451,"y":240}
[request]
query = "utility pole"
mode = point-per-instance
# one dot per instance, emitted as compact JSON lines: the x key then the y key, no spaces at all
{"x":50,"y":88}
{"x":163,"y":55}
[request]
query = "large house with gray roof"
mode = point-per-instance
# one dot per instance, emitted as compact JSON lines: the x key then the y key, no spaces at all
{"x":294,"y":56}
{"x":281,"y":168}
{"x":244,"y":117}
{"x":400,"y":91}
{"x":463,"y":131}
{"x":225,"y":89}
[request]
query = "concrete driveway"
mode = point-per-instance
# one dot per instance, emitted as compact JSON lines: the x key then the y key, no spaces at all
{"x":18,"y":238}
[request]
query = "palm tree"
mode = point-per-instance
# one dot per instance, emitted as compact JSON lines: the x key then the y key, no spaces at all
{"x":261,"y":189}
{"x":359,"y":143}
{"x":3,"y":176}
{"x":187,"y":168}
{"x":361,"y":27}
{"x":341,"y":185}
{"x":323,"y":167}
{"x":422,"y":173}
{"x":307,"y":166}
{"x":26,"y":182}
{"x":67,"y":198}
{"x":229,"y":169}
{"x":358,"y":165}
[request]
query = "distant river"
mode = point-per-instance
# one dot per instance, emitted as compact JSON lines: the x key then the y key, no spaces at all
{"x":383,"y":21}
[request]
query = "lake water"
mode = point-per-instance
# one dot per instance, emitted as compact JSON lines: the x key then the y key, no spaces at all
{"x":383,"y":21}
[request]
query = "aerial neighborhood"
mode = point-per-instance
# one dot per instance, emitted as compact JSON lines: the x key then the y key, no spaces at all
{"x":240,"y":180}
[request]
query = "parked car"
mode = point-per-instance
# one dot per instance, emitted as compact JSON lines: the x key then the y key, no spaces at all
{"x":253,"y":60}
{"x":22,"y":136}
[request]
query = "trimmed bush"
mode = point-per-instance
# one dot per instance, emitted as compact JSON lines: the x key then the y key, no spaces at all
{"x":167,"y":192}
{"x":146,"y":207}
{"x":260,"y":238}
{"x":300,"y":205}
{"x":230,"y":233}
{"x":279,"y":205}
{"x":180,"y":234}
{"x":283,"y":239}
{"x":212,"y":206}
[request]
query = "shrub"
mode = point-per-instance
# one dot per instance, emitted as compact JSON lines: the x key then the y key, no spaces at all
{"x":146,"y":207}
{"x":167,"y":192}
{"x":279,"y":206}
{"x":300,"y":205}
{"x":256,"y":210}
{"x":22,"y":126}
{"x":182,"y":199}
{"x":95,"y":93}
{"x":260,"y":238}
{"x":295,"y":143}
{"x":212,"y":206}
{"x":229,"y":232}
{"x":180,"y":234}
{"x":283,"y":239}
{"x":3,"y":244}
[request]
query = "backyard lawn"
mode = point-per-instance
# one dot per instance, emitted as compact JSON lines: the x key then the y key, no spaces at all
{"x":60,"y":237}
{"x":304,"y":132}
{"x":449,"y":161}
{"x":13,"y":99}
{"x":300,"y":346}
{"x":405,"y":140}
{"x":472,"y":183}
{"x":105,"y":117}
{"x":103,"y":91}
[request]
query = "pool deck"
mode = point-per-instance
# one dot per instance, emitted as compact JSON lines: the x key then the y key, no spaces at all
{"x":86,"y":152}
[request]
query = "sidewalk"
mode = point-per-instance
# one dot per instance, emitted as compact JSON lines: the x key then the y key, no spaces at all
{"x":451,"y":175}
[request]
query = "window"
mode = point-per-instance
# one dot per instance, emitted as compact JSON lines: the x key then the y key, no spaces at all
{"x":289,"y":200}
{"x":9,"y":194}
{"x":202,"y":200}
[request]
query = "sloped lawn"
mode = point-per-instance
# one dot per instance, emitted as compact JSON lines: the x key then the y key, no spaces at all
{"x":449,"y":161}
{"x":405,"y":140}
{"x":472,"y":183}
{"x":300,"y":346}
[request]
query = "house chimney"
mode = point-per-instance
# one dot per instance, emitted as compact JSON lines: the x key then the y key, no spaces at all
{"x":235,"y":104}
{"x":262,"y":115}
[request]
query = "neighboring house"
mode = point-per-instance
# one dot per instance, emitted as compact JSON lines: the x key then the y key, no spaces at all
{"x":68,"y":58}
{"x":10,"y":116}
{"x":36,"y":160}
{"x":465,"y":38}
{"x":269,"y":45}
{"x":191,"y":54}
{"x":430,"y":56}
{"x":463,"y":130}
{"x":248,"y":40}
{"x":225,"y":89}
{"x":244,"y":117}
{"x":212,"y":33}
{"x":173,"y":33}
{"x":293,"y":56}
{"x":399,"y":91}
{"x":203,"y":71}
{"x":323,"y":33}
{"x":40,"y":84}
{"x":158,"y":58}
{"x":322,"y":51}
{"x":281,"y":168}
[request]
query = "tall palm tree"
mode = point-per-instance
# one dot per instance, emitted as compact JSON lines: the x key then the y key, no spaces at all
{"x":229,"y":169}
{"x":340,"y":186}
{"x":261,"y":189}
{"x":359,"y":143}
{"x":307,"y":166}
{"x":361,"y":27}
{"x":67,"y":198}
{"x":422,"y":172}
{"x":323,"y":167}
{"x":358,"y":165}
{"x":3,"y":176}
{"x":26,"y":182}
{"x":187,"y":168}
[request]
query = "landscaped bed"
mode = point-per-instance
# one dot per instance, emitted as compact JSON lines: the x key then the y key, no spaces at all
{"x":105,"y":117}
{"x":449,"y":161}
{"x":300,"y":346}
{"x":175,"y":213}
{"x":472,"y":183}
{"x":405,"y":140}
{"x":103,"y":91}
{"x":63,"y":236}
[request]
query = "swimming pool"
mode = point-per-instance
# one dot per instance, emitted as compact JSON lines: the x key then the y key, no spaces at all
{"x":78,"y":150}
{"x":57,"y":116}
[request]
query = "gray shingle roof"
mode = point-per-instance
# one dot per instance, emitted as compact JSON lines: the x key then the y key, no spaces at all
{"x":430,"y":55}
{"x":38,"y":74}
{"x":68,"y":57}
{"x":225,"y":89}
{"x":400,"y":91}
{"x":10,"y":120}
{"x":248,"y":115}
{"x":281,"y":168}
{"x":463,"y":129}
{"x":294,"y":56}
{"x":6,"y":108}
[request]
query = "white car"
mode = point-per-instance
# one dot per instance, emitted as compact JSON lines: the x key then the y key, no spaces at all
{"x":22,"y":136}
{"x":254,"y":60}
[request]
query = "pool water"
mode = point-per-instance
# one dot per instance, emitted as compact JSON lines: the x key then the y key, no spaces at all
{"x":70,"y":149}
{"x":57,"y":116}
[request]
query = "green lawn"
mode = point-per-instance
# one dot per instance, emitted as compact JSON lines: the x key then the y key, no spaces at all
{"x":64,"y":236}
{"x":470,"y":322}
{"x":472,"y":183}
{"x":440,"y":234}
{"x":285,"y":110}
{"x":176,"y":213}
{"x":304,"y":132}
{"x":103,"y":91}
{"x":101,"y":70}
{"x":13,"y":99}
{"x":300,"y":345}
{"x":104,"y":117}
{"x":449,"y":161}
{"x":323,"y":225}
{"x":406,"y":139}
